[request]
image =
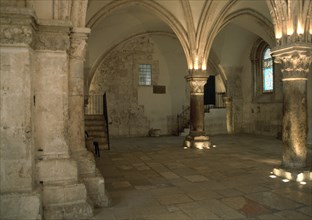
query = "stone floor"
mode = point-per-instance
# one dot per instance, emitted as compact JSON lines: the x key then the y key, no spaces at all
{"x":155,"y":178}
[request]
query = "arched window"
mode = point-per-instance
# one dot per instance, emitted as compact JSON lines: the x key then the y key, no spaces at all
{"x":267,"y":71}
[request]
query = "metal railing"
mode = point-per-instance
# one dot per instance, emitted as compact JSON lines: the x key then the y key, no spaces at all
{"x":97,"y":105}
{"x":183,"y":119}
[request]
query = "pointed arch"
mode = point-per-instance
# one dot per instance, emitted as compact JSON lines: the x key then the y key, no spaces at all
{"x":155,"y":8}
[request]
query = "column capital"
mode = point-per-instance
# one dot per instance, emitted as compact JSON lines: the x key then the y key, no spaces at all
{"x":53,"y":35}
{"x":18,"y":26}
{"x":197,"y":80}
{"x":295,"y":61}
{"x":227,"y":100}
{"x":78,"y":43}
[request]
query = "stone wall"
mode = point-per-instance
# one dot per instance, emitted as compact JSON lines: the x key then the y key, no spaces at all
{"x":254,"y":113}
{"x":132,"y":109}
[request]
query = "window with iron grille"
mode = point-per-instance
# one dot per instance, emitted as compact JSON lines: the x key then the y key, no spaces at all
{"x":267,"y":71}
{"x":145,"y":74}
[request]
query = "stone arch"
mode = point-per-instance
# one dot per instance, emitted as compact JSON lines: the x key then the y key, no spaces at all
{"x":230,"y":17}
{"x":102,"y":57}
{"x":291,"y":17}
{"x":155,"y":8}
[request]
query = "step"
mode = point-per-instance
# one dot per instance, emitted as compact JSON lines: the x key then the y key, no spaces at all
{"x":94,"y":117}
{"x":185,"y":132}
{"x":95,"y":122}
{"x":93,"y":133}
{"x":95,"y":128}
{"x":82,"y":210}
{"x":64,"y":194}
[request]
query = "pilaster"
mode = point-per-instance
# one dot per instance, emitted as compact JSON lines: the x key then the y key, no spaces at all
{"x":19,"y":194}
{"x":64,"y":196}
{"x":197,"y":137}
{"x":229,"y":114}
{"x":87,"y":171}
{"x":295,"y":61}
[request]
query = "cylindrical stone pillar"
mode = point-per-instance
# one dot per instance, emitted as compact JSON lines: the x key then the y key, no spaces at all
{"x":295,"y":66}
{"x":229,"y":114}
{"x":197,"y":114}
{"x":309,"y":97}
{"x":197,"y":138}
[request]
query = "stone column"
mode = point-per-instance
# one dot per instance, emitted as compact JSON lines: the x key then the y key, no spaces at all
{"x":87,"y":170}
{"x":309,"y":138}
{"x":64,"y":196}
{"x":197,"y":137}
{"x":19,"y":194}
{"x":295,"y":61}
{"x":229,"y":114}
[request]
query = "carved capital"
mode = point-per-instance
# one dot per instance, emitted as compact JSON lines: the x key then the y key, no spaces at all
{"x":227,"y":100}
{"x":295,"y":61}
{"x":197,"y":80}
{"x":53,"y":35}
{"x":17,"y":26}
{"x":78,"y":43}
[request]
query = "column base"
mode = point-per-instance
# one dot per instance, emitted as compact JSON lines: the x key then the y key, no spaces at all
{"x":197,"y":141}
{"x":295,"y":175}
{"x":96,"y":190}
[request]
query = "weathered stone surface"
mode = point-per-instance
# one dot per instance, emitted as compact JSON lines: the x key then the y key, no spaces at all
{"x":66,"y":194}
{"x":82,"y":210}
{"x":18,"y":26}
{"x":57,"y":170}
{"x":96,"y":190}
{"x":20,"y":206}
{"x":126,"y":115}
{"x":17,"y":155}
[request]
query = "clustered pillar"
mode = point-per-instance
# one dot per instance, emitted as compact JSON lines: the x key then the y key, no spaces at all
{"x":295,"y":63}
{"x":87,"y":171}
{"x":197,"y":137}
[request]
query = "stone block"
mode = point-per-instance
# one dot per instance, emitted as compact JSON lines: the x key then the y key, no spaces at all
{"x":85,"y":162}
{"x":96,"y":190}
{"x":58,"y":194}
{"x":15,"y":175}
{"x":57,"y":170}
{"x":81,"y":210}
{"x":20,"y":206}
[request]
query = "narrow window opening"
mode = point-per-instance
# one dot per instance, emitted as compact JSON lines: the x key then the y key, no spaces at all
{"x":267,"y":71}
{"x":145,"y":74}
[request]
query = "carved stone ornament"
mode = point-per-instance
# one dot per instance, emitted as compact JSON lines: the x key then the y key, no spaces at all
{"x":196,"y":84}
{"x":78,"y":49}
{"x":18,"y":26}
{"x":78,"y":43}
{"x":53,"y":36}
{"x":197,"y":80}
{"x":52,"y":41}
{"x":16,"y":34}
{"x":295,"y":61}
